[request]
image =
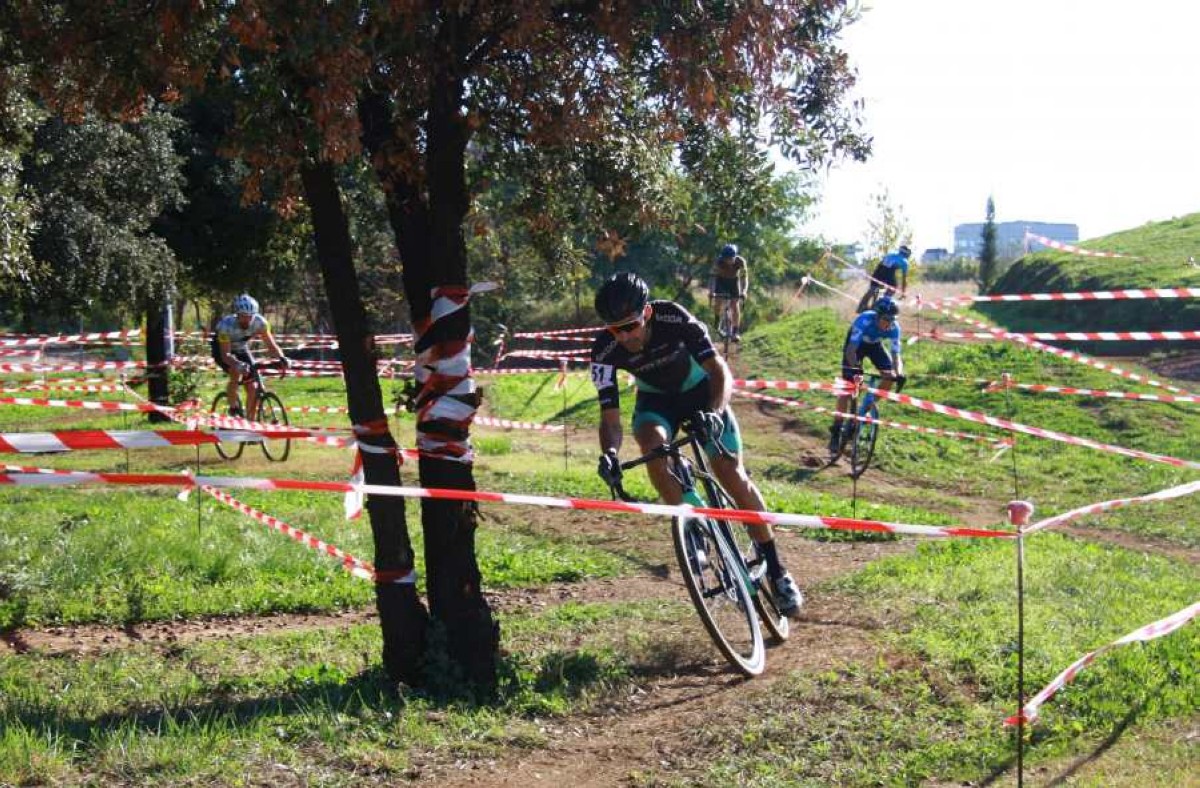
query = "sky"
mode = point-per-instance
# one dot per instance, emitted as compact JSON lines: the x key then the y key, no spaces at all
{"x":1063,"y":111}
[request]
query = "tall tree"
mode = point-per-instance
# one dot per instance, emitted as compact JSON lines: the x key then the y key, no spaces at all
{"x":887,"y":225}
{"x":428,"y":85}
{"x":988,"y":258}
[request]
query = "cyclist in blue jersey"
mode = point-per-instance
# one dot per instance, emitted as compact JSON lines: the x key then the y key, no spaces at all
{"x":884,"y":277}
{"x":679,"y":375}
{"x":230,"y":351}
{"x":865,"y":340}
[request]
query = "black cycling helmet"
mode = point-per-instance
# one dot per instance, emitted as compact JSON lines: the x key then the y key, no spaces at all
{"x":905,"y":251}
{"x":622,"y":294}
{"x":886,"y":307}
{"x":729,"y":250}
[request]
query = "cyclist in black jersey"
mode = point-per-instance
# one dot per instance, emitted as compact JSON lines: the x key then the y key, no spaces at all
{"x":679,"y":374}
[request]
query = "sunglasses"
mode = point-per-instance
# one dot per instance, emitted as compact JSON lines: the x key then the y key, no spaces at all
{"x":625,"y":328}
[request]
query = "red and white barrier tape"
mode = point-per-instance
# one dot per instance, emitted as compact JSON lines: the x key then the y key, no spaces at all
{"x":521,"y":371}
{"x":1066,"y":247}
{"x":355,"y":566}
{"x":1005,"y":442}
{"x":86,"y":440}
{"x":79,"y":367}
{"x":86,"y":404}
{"x":839,"y":386}
{"x":558,"y":332}
{"x":1086,"y":295}
{"x":1037,"y":431}
{"x":102,"y":388}
{"x":1042,"y":388}
{"x":318,"y":409}
{"x":1165,"y":626}
{"x":44,"y":339}
{"x":572,"y":355}
{"x":489,"y":421}
{"x":656,"y":509}
{"x":1079,"y":336}
{"x":1190,"y":488}
{"x":1067,"y":354}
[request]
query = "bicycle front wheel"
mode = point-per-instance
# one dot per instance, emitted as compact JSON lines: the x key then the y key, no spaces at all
{"x":864,"y":442}
{"x":764,"y":595}
{"x":717,"y":583}
{"x":272,"y":412}
{"x":229,"y":450}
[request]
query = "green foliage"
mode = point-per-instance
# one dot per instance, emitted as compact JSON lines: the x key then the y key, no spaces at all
{"x":1163,"y":249}
{"x":99,"y":186}
{"x":19,"y":116}
{"x":987,"y":253}
{"x":887,"y":225}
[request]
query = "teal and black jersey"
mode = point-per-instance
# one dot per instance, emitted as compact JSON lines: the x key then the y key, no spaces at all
{"x":669,"y":363}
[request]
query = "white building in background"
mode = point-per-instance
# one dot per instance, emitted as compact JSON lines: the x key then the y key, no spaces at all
{"x":1010,"y":237}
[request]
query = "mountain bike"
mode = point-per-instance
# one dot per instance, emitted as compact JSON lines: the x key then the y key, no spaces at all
{"x":725,"y":576}
{"x":859,"y":434}
{"x":269,"y":410}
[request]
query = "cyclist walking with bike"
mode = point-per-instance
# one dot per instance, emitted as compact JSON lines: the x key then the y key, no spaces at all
{"x":679,"y":375}
{"x":865,"y":340}
{"x":884,"y":277}
{"x":230,"y":351}
{"x":728,"y":285}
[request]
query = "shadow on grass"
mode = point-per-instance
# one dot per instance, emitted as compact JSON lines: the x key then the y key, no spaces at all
{"x":527,"y":688}
{"x":1112,"y":738}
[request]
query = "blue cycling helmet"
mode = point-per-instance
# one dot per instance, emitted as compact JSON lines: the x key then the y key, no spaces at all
{"x":886,"y":307}
{"x":245,"y":305}
{"x":729,"y":250}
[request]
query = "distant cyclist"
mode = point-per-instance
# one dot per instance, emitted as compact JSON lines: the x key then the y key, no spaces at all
{"x":679,"y":374}
{"x":865,"y":340}
{"x":730,"y":281}
{"x":884,"y":277}
{"x":229,"y":350}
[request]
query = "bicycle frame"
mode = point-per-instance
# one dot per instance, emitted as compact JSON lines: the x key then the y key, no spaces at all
{"x":725,"y":576}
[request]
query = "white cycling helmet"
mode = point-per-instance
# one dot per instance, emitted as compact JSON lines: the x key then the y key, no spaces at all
{"x":245,"y":305}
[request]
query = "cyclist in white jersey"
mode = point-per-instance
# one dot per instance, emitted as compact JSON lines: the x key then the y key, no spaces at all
{"x":230,"y":351}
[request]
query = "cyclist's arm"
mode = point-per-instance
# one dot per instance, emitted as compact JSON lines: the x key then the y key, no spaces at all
{"x":232,"y":361}
{"x":269,"y":339}
{"x":611,"y":434}
{"x":903,"y":281}
{"x":720,"y":383}
{"x":743,"y":277}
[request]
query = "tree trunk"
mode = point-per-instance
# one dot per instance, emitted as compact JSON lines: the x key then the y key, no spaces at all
{"x":401,"y":614}
{"x":157,"y":358}
{"x":454,"y":583}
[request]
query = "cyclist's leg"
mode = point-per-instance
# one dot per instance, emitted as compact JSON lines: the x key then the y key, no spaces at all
{"x":843,"y":401}
{"x":868,"y":299}
{"x":653,"y":425}
{"x":731,"y":473}
{"x":735,"y":317}
{"x":719,"y":302}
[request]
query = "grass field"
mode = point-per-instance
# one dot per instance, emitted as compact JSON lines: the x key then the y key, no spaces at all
{"x":899,"y":673}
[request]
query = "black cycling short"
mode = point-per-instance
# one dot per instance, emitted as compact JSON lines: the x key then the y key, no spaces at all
{"x":874,"y":351}
{"x":240,"y":355}
{"x":668,"y":410}
{"x":725,"y":288}
{"x":883,"y":273}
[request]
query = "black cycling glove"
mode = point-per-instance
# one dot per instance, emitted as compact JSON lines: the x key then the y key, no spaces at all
{"x":708,"y":424}
{"x":609,"y":468}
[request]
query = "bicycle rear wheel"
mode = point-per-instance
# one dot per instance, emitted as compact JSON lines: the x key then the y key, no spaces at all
{"x":864,"y":442}
{"x":272,"y":412}
{"x":720,"y":592}
{"x":229,"y":450}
